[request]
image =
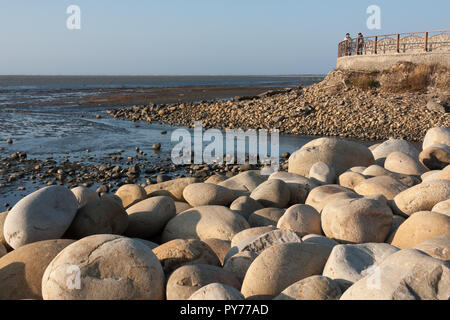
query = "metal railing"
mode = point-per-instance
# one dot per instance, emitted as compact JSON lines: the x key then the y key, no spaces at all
{"x":413,"y":42}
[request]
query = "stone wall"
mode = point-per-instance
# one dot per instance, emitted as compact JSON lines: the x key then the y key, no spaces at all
{"x":380,"y":62}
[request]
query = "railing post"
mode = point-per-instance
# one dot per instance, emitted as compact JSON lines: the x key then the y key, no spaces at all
{"x":376,"y":44}
{"x":426,"y":41}
{"x":398,"y":43}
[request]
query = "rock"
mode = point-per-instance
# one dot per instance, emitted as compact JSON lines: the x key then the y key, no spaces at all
{"x":375,"y":171}
{"x":406,"y":275}
{"x":205,"y":223}
{"x":2,"y":223}
{"x":148,"y":218}
{"x":277,"y":267}
{"x":181,"y":206}
{"x":319,"y":239}
{"x":359,"y":170}
{"x":438,"y":247}
{"x":340,"y":154}
{"x":21,"y":270}
{"x":251,"y":233}
{"x":431,"y":175}
{"x":385,"y":185}
{"x":239,"y":263}
{"x":351,"y":179}
{"x":43,"y":215}
{"x":421,"y":226}
{"x":299,"y":186}
{"x":396,"y":223}
{"x":445,"y":173}
{"x":216,"y":179}
{"x":206,"y":194}
{"x":177,"y":253}
{"x":185,"y":281}
{"x":393,"y":145}
{"x":435,"y":157}
{"x":436,"y":135}
{"x":272,"y":193}
{"x":9,"y":141}
{"x":149,"y":244}
{"x":245,"y":206}
{"x":317,"y":198}
{"x":442,"y":207}
{"x":175,"y":187}
{"x":84,"y":195}
{"x":356,"y":220}
{"x":302,"y":219}
{"x":156,"y":146}
{"x":435,"y":107}
{"x":323,"y":173}
{"x":312,"y":288}
{"x":110,"y":267}
{"x":131,"y":194}
{"x":400,"y":162}
{"x":265,"y":217}
{"x":243,"y":183}
{"x":3,"y":250}
{"x":220,"y":247}
{"x":103,"y":216}
{"x":217,"y":291}
{"x":407,"y":180}
{"x":349,"y":263}
{"x":259,"y":243}
{"x":422,"y":197}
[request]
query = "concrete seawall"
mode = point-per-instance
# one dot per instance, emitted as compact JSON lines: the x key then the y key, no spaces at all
{"x":381,"y":62}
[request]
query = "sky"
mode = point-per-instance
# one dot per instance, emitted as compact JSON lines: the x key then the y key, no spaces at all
{"x":195,"y":37}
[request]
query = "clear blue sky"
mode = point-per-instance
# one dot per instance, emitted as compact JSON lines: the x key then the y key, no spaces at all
{"x":190,"y":37}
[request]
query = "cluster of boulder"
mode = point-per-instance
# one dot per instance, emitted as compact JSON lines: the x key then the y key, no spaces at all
{"x":345,"y":222}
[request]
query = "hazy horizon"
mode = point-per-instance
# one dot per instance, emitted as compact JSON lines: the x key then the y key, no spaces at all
{"x":197,"y":38}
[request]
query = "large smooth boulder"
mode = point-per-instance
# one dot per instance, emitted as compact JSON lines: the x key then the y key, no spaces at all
{"x":42,"y":215}
{"x":239,"y":263}
{"x":437,"y":135}
{"x":407,"y":180}
{"x":244,"y":183}
{"x":385,"y":185}
{"x":219,"y":246}
{"x":103,"y":216}
{"x":217,"y":291}
{"x":2,"y":223}
{"x":438,"y":247}
{"x":402,"y":163}
{"x":181,"y":206}
{"x":351,"y":262}
{"x":185,"y":281}
{"x":265,"y":217}
{"x":278,"y":267}
{"x":319,"y":239}
{"x":323,"y":173}
{"x":317,"y":198}
{"x":340,"y":154}
{"x":435,"y":157}
{"x":207,"y":194}
{"x":84,"y":195}
{"x":104,"y":267}
{"x":131,"y":194}
{"x":148,"y":218}
{"x":421,"y":226}
{"x":312,"y":288}
{"x":396,"y":223}
{"x":204,"y":223}
{"x":351,"y":179}
{"x":422,"y":197}
{"x":299,"y":186}
{"x":245,"y":206}
{"x":302,"y":219}
{"x":272,"y":193}
{"x":21,"y":270}
{"x":382,"y":151}
{"x":442,"y":207}
{"x":406,"y":275}
{"x":180,"y":252}
{"x":174,"y":187}
{"x":357,"y":220}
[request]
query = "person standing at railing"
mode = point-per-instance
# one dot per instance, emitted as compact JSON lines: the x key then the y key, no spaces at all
{"x":348,"y":45}
{"x":360,"y":43}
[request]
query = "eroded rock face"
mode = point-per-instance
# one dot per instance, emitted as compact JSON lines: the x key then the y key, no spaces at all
{"x":405,"y":275}
{"x":277,"y":267}
{"x":185,"y":281}
{"x":21,"y":270}
{"x":217,"y":291}
{"x":205,"y":223}
{"x":421,"y":226}
{"x":111,"y":267}
{"x":251,"y":232}
{"x":312,"y":288}
{"x":340,"y":154}
{"x":357,"y":220}
{"x":42,"y":215}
